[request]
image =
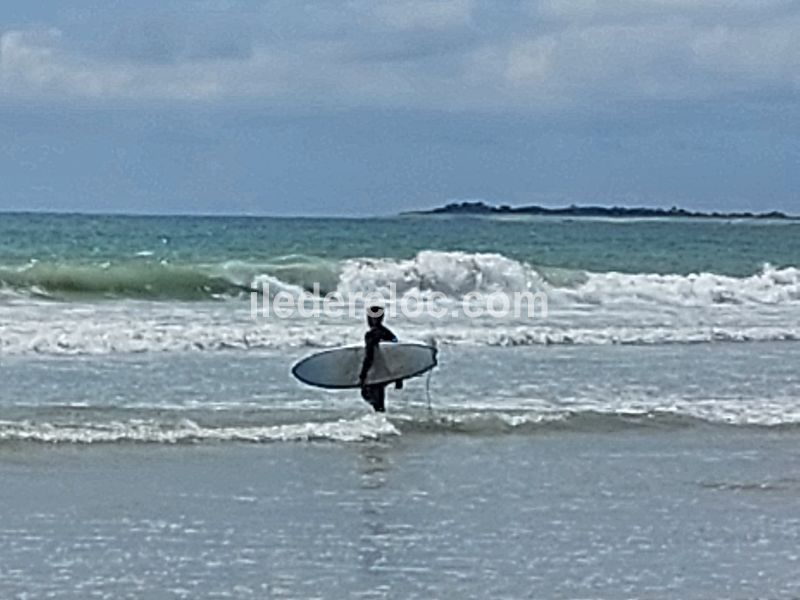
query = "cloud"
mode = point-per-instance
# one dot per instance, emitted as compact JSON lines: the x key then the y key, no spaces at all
{"x":765,"y":53}
{"x":632,"y":10}
{"x":409,"y":14}
{"x":428,"y":54}
{"x":35,"y":64}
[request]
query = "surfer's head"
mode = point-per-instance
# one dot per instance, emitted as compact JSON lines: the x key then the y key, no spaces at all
{"x":374,"y":315}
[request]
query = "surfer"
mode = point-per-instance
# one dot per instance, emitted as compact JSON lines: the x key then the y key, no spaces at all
{"x":378,"y":332}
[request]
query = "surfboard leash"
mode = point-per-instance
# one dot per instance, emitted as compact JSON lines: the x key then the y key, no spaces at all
{"x":428,"y":389}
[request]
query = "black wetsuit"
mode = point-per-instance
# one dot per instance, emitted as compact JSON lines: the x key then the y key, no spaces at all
{"x":374,"y":394}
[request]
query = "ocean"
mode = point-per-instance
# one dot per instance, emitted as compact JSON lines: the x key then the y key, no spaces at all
{"x":639,"y":438}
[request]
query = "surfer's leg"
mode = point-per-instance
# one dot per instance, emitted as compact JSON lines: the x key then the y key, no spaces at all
{"x":366,"y":393}
{"x":379,"y":398}
{"x":374,"y":394}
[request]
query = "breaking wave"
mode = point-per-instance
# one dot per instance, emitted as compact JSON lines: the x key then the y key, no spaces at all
{"x":109,"y":309}
{"x":152,"y":280}
{"x":375,"y":427}
{"x":187,"y":431}
{"x":453,"y":274}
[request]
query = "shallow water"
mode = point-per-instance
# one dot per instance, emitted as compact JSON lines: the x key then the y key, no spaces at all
{"x":639,"y":441}
{"x":570,"y":472}
{"x":689,"y":513}
{"x":250,"y":396}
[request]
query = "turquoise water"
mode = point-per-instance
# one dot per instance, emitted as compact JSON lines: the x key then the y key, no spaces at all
{"x":670,"y":246}
{"x":639,"y":439}
{"x":110,"y":284}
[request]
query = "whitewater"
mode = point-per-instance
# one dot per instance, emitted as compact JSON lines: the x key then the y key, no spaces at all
{"x":101,"y":309}
{"x":99,"y":289}
{"x":123,"y":295}
{"x":636,"y":439}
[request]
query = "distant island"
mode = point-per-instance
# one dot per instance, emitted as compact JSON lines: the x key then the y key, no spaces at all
{"x":481,"y":208}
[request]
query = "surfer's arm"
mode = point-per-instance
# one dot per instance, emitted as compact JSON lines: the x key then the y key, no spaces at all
{"x":369,"y":356}
{"x":371,"y":342}
{"x":372,"y":339}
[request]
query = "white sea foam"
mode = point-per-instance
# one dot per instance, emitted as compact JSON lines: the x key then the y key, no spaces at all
{"x":456,"y":274}
{"x":584,"y":416}
{"x":771,"y":286}
{"x":369,"y":427}
{"x":452,"y":274}
{"x":584,"y":309}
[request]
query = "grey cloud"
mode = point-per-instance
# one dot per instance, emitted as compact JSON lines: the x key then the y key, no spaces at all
{"x":161,"y":41}
{"x":429,"y":54}
{"x":623,"y":11}
{"x":411,"y":14}
{"x":411,"y":46}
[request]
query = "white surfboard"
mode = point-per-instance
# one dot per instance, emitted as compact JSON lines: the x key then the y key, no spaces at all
{"x":340,"y":368}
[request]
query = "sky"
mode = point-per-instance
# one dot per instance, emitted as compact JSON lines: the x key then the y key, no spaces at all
{"x":371,"y":107}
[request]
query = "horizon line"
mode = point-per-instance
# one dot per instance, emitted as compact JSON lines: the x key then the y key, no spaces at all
{"x":425,"y":212}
